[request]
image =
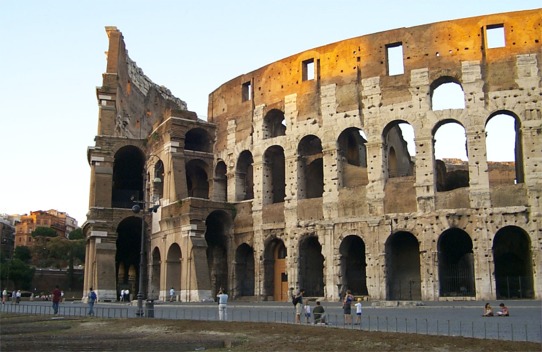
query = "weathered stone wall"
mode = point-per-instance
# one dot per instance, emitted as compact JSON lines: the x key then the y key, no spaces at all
{"x":352,"y":88}
{"x":335,"y":206}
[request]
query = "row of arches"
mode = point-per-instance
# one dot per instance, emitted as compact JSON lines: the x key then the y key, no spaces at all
{"x":236,"y":271}
{"x":399,"y":161}
{"x":399,"y":156}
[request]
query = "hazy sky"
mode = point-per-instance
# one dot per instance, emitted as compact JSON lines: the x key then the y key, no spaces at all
{"x":52,"y":59}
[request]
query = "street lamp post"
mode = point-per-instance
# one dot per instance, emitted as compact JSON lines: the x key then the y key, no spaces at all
{"x":143,"y":209}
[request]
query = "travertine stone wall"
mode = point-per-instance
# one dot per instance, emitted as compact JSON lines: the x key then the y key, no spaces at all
{"x":352,"y":88}
{"x":371,"y":219}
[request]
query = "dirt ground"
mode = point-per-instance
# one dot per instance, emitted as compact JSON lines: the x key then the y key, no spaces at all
{"x":45,"y":333}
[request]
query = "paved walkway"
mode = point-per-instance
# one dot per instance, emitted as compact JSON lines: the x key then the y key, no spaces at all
{"x":460,"y":318}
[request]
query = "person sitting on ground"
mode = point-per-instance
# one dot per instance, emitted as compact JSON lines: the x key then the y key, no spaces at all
{"x":488,"y":311}
{"x":504,"y":312}
{"x":319,"y":314}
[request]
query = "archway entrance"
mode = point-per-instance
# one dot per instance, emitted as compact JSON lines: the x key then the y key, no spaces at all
{"x":128,"y":255}
{"x":311,"y":266}
{"x":244,"y":271}
{"x":403,"y":281}
{"x":275,"y":274}
{"x":455,"y":264}
{"x":353,"y":265}
{"x":512,"y":256}
{"x":173,"y":268}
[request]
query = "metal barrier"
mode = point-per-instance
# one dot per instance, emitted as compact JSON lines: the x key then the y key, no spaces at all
{"x":493,"y":328}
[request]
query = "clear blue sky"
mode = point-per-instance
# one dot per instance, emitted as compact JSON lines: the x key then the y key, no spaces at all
{"x":52,"y":58}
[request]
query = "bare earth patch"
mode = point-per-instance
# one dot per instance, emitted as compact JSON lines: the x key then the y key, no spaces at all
{"x":44,"y":333}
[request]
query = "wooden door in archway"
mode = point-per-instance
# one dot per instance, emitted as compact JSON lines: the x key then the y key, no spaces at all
{"x":280,"y":277}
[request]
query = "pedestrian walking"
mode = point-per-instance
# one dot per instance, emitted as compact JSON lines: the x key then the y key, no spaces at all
{"x":18,"y":297}
{"x":222,"y":305}
{"x":4,"y":296}
{"x":57,"y":294}
{"x":91,"y":300}
{"x":171,"y":294}
{"x":298,"y":304}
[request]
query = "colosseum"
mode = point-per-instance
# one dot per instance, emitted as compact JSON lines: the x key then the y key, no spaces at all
{"x":302,"y":175}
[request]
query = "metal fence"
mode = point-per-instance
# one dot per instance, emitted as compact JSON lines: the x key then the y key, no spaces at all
{"x":495,"y":328}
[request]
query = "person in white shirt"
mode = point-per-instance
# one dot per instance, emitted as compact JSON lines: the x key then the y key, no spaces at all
{"x":171,"y":294}
{"x":358,"y":312}
{"x":222,"y":305}
{"x":307,"y":312}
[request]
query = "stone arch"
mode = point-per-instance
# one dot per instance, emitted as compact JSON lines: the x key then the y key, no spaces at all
{"x":455,"y":264}
{"x":218,"y":226}
{"x":173,"y":267}
{"x":197,"y":139}
{"x":275,"y":281}
{"x":274,"y":124}
{"x":450,"y":173}
{"x":352,"y":158}
{"x":447,"y":93}
{"x":244,"y":271}
{"x":353,"y":266}
{"x":196,"y":179}
{"x":158,"y":180}
{"x":513,"y":264}
{"x":128,"y":255}
{"x":398,"y":159}
{"x":311,"y":266}
{"x":220,"y":184}
{"x":310,"y":168}
{"x":128,"y":168}
{"x":244,"y":177}
{"x":156,"y":260}
{"x":403,"y":279}
{"x":508,"y":135}
{"x":274,"y":179}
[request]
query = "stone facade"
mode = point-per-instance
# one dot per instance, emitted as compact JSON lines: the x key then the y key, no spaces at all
{"x":301,"y":177}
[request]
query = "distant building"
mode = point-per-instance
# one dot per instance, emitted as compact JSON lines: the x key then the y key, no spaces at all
{"x":61,"y":222}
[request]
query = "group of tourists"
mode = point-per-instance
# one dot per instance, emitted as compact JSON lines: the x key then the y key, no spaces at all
{"x":15,"y":296}
{"x":503,"y":312}
{"x":124,"y":295}
{"x":318,"y":313}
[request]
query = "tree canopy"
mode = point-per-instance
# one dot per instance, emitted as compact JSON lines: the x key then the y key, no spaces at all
{"x":41,"y":231}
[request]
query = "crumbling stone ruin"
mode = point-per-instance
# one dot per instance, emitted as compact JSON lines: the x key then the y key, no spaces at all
{"x":301,"y":177}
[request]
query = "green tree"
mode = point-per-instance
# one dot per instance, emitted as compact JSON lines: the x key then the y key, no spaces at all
{"x":41,"y":257}
{"x":66,"y":253}
{"x":41,"y":231}
{"x":23,"y":253}
{"x":18,"y":272}
{"x":76,"y":234}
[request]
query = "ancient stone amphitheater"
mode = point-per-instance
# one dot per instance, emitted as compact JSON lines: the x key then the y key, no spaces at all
{"x":303,"y":174}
